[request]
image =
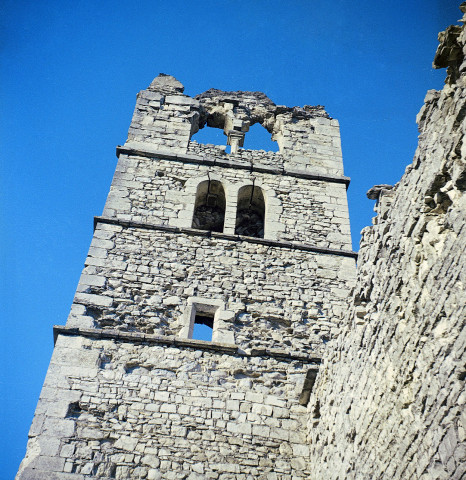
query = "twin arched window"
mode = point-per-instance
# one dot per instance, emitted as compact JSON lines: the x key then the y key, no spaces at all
{"x":209,"y":209}
{"x":250,"y":213}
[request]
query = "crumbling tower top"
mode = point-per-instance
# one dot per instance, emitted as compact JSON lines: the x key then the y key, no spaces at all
{"x":166,"y":119}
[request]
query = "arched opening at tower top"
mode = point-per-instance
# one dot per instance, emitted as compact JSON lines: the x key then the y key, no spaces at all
{"x":210,"y":135}
{"x":209,"y":208}
{"x":250,"y":214}
{"x":256,"y":138}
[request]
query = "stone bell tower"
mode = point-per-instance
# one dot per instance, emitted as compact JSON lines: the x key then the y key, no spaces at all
{"x":252,"y":246}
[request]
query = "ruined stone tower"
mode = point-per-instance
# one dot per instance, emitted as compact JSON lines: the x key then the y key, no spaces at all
{"x":253,"y":245}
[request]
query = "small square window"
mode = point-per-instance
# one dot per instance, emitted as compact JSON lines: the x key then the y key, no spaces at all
{"x":205,"y":319}
{"x":203,"y":326}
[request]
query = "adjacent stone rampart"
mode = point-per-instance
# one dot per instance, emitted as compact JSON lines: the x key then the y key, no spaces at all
{"x":389,"y":402}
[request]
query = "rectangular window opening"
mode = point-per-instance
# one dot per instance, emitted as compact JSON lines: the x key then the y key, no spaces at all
{"x":203,"y":326}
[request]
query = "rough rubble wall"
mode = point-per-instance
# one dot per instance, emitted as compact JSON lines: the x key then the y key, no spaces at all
{"x":389,"y":402}
{"x":115,"y":410}
{"x":279,"y":298}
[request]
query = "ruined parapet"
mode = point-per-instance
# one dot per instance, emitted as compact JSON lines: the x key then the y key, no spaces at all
{"x":383,"y":196}
{"x":389,"y":403}
{"x":165,"y":120}
{"x":308,"y":137}
{"x":450,"y":52}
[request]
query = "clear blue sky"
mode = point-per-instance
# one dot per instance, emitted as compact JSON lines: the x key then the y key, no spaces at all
{"x":70,"y":71}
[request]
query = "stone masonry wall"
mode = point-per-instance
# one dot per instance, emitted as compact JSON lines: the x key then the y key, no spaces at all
{"x":162,"y":192}
{"x":389,"y":402}
{"x":140,"y":280}
{"x":164,"y":118}
{"x":111,"y":409}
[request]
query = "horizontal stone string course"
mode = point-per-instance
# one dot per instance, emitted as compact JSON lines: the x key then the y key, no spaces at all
{"x":253,"y":167}
{"x":235,"y":238}
{"x":221,"y":348}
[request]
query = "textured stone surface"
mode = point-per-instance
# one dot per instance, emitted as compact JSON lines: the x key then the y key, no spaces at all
{"x":279,"y":297}
{"x":389,"y":402}
{"x":129,"y":393}
{"x":131,"y":411}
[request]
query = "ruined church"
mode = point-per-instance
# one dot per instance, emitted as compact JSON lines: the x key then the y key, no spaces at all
{"x":306,"y":367}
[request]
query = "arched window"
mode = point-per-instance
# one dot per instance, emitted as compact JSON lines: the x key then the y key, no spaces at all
{"x":209,"y":209}
{"x":258,"y":138}
{"x":250,"y":215}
